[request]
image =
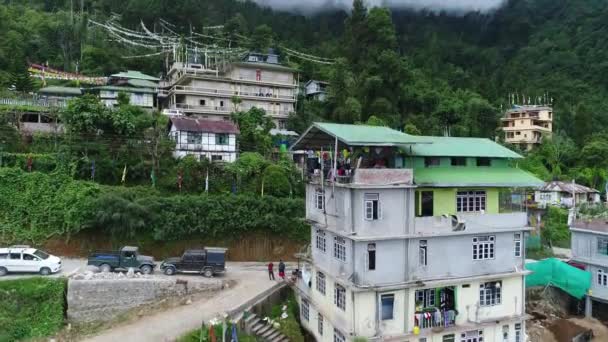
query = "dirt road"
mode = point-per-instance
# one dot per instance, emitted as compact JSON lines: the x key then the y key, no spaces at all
{"x":251,"y":280}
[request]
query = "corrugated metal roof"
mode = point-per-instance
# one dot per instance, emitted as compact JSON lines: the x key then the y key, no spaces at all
{"x":125,"y":89}
{"x":206,"y":126}
{"x":142,"y":83}
{"x":461,"y":147}
{"x":61,"y":91}
{"x":135,"y":75}
{"x":475,"y":176}
{"x":567,"y":187}
{"x":596,"y":225}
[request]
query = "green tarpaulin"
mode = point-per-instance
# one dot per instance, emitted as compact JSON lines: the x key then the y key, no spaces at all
{"x":555,"y":272}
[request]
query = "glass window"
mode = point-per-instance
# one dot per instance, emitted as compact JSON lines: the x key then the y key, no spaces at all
{"x":490,"y":293}
{"x":602,"y":246}
{"x":3,"y":255}
{"x":202,"y":102}
{"x":321,"y":283}
{"x":425,"y":298}
{"x":305,"y":307}
{"x":372,"y":207}
{"x":484,"y":162}
{"x":216,"y":157}
{"x":29,"y":257}
{"x":483,"y":247}
{"x":388,"y":302}
{"x":338,"y":336}
{"x":459,"y":161}
{"x":339,"y":248}
{"x":15,"y":256}
{"x":221,"y":139}
{"x":422,"y":252}
{"x":431,"y":161}
{"x":195,"y":138}
{"x":517,"y":332}
{"x":321,"y":241}
{"x":319,"y":199}
{"x":517,"y":239}
{"x":340,"y":297}
{"x":371,"y":256}
{"x":602,"y":278}
{"x":470,"y":201}
{"x":449,"y":338}
{"x":320,"y":324}
{"x":42,"y":255}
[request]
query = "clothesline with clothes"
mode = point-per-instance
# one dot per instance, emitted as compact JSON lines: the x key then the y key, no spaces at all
{"x":435,"y":318}
{"x":346,"y":161}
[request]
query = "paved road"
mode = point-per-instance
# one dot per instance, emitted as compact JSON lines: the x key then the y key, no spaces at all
{"x":251,"y":279}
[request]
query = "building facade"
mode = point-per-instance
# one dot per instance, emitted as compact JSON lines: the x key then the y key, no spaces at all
{"x":589,"y":243}
{"x":526,"y":125}
{"x":204,"y":139}
{"x":565,"y":194}
{"x":316,"y":90}
{"x":141,"y":89}
{"x":256,"y":81}
{"x":410,"y":241}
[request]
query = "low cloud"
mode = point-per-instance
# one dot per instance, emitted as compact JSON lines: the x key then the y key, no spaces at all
{"x":315,"y":6}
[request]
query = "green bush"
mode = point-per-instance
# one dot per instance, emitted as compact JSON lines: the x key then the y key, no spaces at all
{"x":555,"y":230}
{"x":31,"y":308}
{"x":195,"y":336}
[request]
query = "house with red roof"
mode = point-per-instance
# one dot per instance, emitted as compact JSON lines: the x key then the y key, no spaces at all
{"x":205,"y":139}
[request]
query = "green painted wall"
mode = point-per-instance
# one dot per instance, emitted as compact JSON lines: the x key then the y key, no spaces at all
{"x":444,"y":200}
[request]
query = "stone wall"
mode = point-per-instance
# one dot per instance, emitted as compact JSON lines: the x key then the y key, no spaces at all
{"x":98,"y":299}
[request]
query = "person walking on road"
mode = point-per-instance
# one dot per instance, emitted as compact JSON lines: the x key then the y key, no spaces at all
{"x":271,"y":271}
{"x":281,"y":269}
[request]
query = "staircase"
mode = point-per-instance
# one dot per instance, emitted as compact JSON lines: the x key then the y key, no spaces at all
{"x":254,"y":325}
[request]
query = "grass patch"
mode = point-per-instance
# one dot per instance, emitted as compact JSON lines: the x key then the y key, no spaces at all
{"x":289,"y":326}
{"x":31,"y":308}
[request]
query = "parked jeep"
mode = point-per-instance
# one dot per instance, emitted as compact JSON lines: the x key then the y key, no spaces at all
{"x":26,"y":259}
{"x":207,"y":261}
{"x":127,"y":257}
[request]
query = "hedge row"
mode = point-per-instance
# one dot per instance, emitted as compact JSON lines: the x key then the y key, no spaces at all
{"x":36,"y":206}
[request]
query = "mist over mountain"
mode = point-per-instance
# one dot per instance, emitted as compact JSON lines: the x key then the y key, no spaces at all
{"x":452,"y":6}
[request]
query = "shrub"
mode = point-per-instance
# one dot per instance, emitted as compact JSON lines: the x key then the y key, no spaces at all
{"x":31,"y":307}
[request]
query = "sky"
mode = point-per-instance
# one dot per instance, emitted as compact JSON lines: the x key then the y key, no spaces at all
{"x":460,"y":6}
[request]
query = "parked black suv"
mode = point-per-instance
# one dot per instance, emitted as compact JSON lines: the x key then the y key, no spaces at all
{"x":207,"y":261}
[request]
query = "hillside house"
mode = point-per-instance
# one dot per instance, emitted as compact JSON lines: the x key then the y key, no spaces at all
{"x":141,"y":88}
{"x":316,"y":90}
{"x":565,"y":194}
{"x":204,"y":139}
{"x":526,"y":125}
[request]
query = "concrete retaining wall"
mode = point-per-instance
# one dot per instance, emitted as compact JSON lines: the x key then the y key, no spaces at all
{"x":104,"y":299}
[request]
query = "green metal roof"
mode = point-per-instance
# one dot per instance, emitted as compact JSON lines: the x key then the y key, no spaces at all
{"x":475,"y":176}
{"x":142,"y":83}
{"x":324,"y":134}
{"x":461,"y":147}
{"x":136,"y":75}
{"x":72,"y":91}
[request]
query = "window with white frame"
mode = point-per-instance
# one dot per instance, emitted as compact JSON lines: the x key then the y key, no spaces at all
{"x":340,"y":297}
{"x":602,"y":278}
{"x":321,"y":241}
{"x":505,"y":333}
{"x":338,"y":336}
{"x":470,"y":201}
{"x":195,"y":138}
{"x":387,"y":302}
{"x":422,"y":252}
{"x":449,"y":338}
{"x":472,"y":336}
{"x":371,"y":256}
{"x":425,"y":298}
{"x":319,"y":199}
{"x":602,"y":246}
{"x":339,"y":248}
{"x":490,"y":293}
{"x":517,"y":239}
{"x":305,"y":308}
{"x":320,"y":324}
{"x":321,"y":282}
{"x":517,"y":332}
{"x":372,"y":207}
{"x":483,"y":247}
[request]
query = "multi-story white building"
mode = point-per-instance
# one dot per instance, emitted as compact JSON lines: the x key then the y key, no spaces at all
{"x":256,"y":81}
{"x":414,"y":240}
{"x":140,"y":88}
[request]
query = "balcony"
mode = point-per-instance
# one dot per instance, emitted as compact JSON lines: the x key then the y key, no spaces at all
{"x":363,"y":176}
{"x":230,"y":93}
{"x":469,"y":222}
{"x":435,"y":308}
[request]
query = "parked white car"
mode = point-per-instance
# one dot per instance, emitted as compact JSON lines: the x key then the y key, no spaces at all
{"x":26,"y":259}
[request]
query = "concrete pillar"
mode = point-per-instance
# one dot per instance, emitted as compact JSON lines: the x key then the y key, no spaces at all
{"x":588,"y":307}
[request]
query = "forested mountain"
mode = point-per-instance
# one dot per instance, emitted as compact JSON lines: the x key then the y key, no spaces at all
{"x":424,"y":71}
